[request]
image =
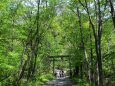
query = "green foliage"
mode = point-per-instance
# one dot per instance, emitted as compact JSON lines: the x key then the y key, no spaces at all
{"x":45,"y":78}
{"x":80,"y":82}
{"x":58,"y":34}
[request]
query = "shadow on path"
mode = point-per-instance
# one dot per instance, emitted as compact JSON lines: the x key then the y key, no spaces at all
{"x":65,"y":81}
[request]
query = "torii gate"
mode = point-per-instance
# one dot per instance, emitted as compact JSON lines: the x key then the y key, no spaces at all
{"x":61,"y":56}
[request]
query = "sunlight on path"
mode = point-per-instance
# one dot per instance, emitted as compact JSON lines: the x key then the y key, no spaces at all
{"x":65,"y":81}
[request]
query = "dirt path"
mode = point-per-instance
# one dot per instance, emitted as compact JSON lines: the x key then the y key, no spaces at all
{"x":65,"y":81}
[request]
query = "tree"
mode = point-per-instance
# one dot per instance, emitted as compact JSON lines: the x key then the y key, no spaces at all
{"x":112,"y":11}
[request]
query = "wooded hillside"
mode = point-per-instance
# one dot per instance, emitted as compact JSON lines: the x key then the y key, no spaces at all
{"x":33,"y":30}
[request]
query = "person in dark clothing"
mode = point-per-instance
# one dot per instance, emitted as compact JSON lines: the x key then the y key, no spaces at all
{"x":62,"y":73}
{"x":55,"y":74}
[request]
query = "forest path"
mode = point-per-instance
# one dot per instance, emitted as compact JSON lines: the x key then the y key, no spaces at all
{"x":65,"y":81}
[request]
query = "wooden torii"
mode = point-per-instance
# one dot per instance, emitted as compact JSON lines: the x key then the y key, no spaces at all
{"x":60,"y":56}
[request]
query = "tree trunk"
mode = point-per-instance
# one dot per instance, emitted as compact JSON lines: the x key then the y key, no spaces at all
{"x":112,"y":11}
{"x":91,"y":62}
{"x":31,"y":51}
{"x":85,"y":62}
